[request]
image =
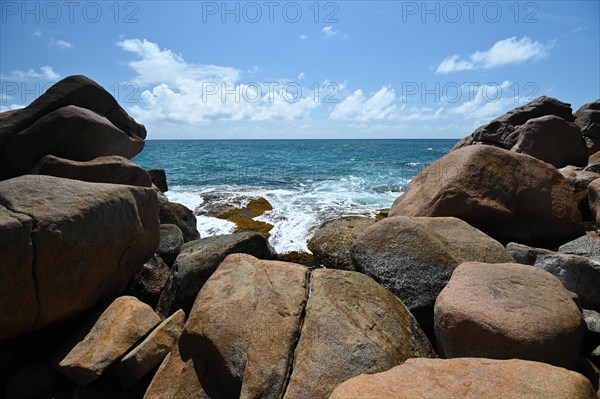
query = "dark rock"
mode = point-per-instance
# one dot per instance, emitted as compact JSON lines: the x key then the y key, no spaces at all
{"x":588,"y":119}
{"x":109,"y":169}
{"x":579,"y":180}
{"x":33,"y":381}
{"x":70,"y":132}
{"x":182,"y":217}
{"x":594,"y":200}
{"x":509,"y":196}
{"x":74,"y":90}
{"x":552,"y":140}
{"x":578,"y":274}
{"x":89,"y":240}
{"x":415,"y":257}
{"x":159,"y":179}
{"x":198,"y":260}
{"x":171,"y":240}
{"x":332,"y":240}
{"x":501,"y":131}
{"x":149,"y":282}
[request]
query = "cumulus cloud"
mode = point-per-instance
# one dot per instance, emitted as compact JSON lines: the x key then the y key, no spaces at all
{"x":61,"y":44}
{"x":178,"y":91}
{"x":303,"y":37}
{"x":46,"y":73}
{"x":357,"y":106}
{"x":489,"y":101}
{"x":503,"y":52}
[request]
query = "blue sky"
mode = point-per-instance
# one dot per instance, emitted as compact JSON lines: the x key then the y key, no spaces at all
{"x":306,"y":69}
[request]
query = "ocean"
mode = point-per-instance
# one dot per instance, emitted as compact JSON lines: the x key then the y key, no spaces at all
{"x":306,"y":181}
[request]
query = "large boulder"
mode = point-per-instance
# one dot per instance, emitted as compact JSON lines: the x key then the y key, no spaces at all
{"x":578,"y":274}
{"x":151,"y":351}
{"x":415,"y":257}
{"x":198,"y":260}
{"x":182,"y":217}
{"x":267,"y":329}
{"x":509,"y":196}
{"x":109,"y":169}
{"x":74,"y":90}
{"x":90,"y":352}
{"x":468,"y":378}
{"x":594,"y":199}
{"x":552,"y":140}
{"x":501,"y":131}
{"x":475,"y":315}
{"x":159,"y":179}
{"x":332,"y":240}
{"x":588,"y":119}
{"x":18,"y":301}
{"x":69,"y":132}
{"x":89,"y":240}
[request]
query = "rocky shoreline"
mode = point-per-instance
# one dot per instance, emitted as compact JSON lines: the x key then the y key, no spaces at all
{"x":482,"y":281}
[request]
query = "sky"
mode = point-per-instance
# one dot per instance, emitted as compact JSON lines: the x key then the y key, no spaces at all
{"x":306,"y":69}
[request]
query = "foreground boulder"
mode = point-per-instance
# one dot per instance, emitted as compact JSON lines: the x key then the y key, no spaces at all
{"x":70,"y":132}
{"x":552,"y":140}
{"x":578,"y":274}
{"x":273,"y":329}
{"x":109,"y":169}
{"x":475,"y":315}
{"x":182,"y":217}
{"x":116,"y":331}
{"x":415,"y":257}
{"x":78,"y":91}
{"x":332,"y":241}
{"x":509,"y":196}
{"x":198,"y":260}
{"x":468,"y":378}
{"x":501,"y":131}
{"x":89,"y":240}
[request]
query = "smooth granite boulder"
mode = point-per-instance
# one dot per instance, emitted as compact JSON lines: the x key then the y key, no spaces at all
{"x":182,"y":217}
{"x":89,"y":240}
{"x":171,"y":240}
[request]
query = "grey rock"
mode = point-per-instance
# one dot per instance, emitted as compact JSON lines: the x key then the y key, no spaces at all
{"x":586,"y":245}
{"x":171,"y":240}
{"x":578,"y":274}
{"x":592,"y":320}
{"x":182,"y":217}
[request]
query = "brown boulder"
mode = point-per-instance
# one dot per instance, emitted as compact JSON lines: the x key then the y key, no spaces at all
{"x":509,"y":196}
{"x":593,"y":163}
{"x":109,"y":169}
{"x":552,"y":140}
{"x":594,"y":199}
{"x":70,"y":132}
{"x":468,"y":378}
{"x":18,"y":300}
{"x":579,"y":180}
{"x":159,"y":179}
{"x":588,"y":119}
{"x":116,"y":331}
{"x":148,"y":354}
{"x":89,"y":240}
{"x":475,"y":315}
{"x":332,"y":240}
{"x":352,"y":326}
{"x":501,"y":131}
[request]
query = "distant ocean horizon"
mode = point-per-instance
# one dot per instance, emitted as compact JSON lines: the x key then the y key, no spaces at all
{"x":307,"y":181}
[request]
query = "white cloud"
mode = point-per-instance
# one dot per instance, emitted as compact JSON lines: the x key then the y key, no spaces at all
{"x":46,"y":72}
{"x":357,"y":106}
{"x":301,"y":76}
{"x":488,"y":102}
{"x":329,"y":31}
{"x":303,"y":37}
{"x":37,"y":33}
{"x":503,"y":52}
{"x":61,"y":44}
{"x":182,"y":92}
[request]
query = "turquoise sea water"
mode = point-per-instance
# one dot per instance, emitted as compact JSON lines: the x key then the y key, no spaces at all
{"x":306,"y":181}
